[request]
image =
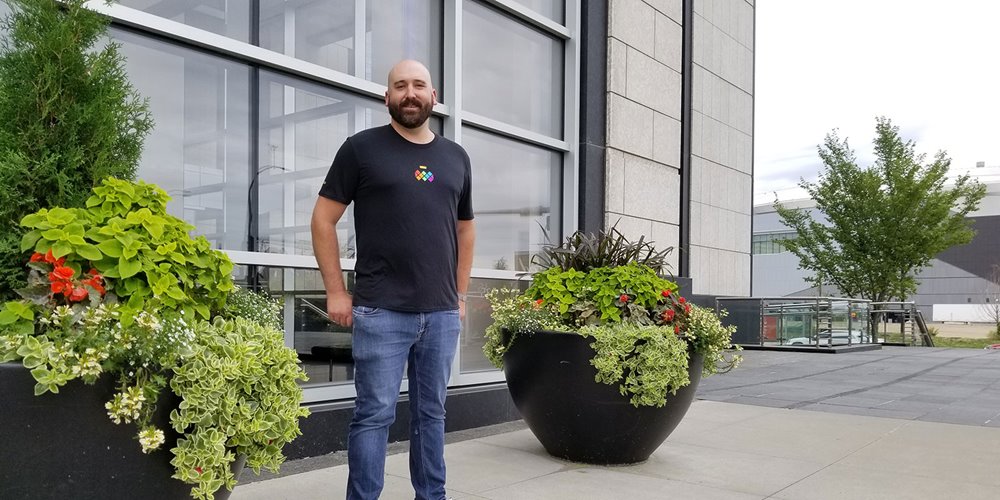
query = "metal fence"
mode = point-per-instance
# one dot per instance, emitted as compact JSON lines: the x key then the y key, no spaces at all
{"x":798,"y":321}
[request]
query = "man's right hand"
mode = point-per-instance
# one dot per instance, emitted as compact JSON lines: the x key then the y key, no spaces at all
{"x":338,"y":307}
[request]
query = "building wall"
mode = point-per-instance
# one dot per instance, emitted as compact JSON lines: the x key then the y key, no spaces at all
{"x":644,"y":193}
{"x":722,"y":146}
{"x":642,"y":177}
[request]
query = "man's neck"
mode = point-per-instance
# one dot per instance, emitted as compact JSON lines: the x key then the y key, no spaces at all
{"x":419,"y":135}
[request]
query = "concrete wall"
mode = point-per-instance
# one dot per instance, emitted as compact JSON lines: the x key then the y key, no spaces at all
{"x":722,"y":146}
{"x":643,"y":178}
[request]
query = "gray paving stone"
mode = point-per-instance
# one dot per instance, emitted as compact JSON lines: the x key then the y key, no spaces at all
{"x":867,"y":425}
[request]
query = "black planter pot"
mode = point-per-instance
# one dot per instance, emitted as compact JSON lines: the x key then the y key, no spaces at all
{"x":58,"y":446}
{"x":576,"y":418}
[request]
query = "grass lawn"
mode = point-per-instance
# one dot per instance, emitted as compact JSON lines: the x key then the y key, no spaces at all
{"x":963,"y":342}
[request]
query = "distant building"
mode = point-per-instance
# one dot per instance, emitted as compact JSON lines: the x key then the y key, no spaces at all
{"x":956,"y":286}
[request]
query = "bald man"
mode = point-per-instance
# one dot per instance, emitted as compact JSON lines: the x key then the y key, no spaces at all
{"x":412,"y":195}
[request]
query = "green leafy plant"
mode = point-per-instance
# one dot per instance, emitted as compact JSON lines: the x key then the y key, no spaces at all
{"x":647,"y":361}
{"x":126,"y":233}
{"x":644,"y":331}
{"x":120,"y":289}
{"x":874,"y":228}
{"x":707,"y":335}
{"x":68,"y":117}
{"x":241,"y":398}
{"x":629,"y":292}
{"x":514,"y":314}
{"x":257,"y":307}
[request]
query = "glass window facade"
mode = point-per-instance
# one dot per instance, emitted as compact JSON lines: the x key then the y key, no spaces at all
{"x":518,"y":82}
{"x":243,"y":139}
{"x":301,"y":127}
{"x":552,"y":9}
{"x":199,"y":150}
{"x":226,"y":18}
{"x":361,"y":38}
{"x":767,"y":243}
{"x":516,"y":186}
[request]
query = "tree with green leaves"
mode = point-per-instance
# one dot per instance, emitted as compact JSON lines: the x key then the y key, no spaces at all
{"x":884,"y":223}
{"x":68,"y":117}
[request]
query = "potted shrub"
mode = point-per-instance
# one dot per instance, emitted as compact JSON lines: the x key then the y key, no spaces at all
{"x":601,"y":354}
{"x":69,"y":117}
{"x":127,"y":319}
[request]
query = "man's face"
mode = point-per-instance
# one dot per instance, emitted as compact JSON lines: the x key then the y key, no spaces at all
{"x":410,"y":97}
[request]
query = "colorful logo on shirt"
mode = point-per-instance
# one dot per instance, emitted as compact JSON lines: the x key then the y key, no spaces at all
{"x":423,"y":175}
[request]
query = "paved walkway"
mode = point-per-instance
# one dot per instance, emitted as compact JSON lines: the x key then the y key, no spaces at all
{"x":906,"y":423}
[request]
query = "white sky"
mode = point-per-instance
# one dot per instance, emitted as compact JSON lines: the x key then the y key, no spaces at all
{"x":931,"y":66}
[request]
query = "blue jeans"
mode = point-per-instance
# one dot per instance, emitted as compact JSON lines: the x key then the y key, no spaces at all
{"x":384,"y":342}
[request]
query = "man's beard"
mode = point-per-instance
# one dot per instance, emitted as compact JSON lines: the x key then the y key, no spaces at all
{"x":409,"y":118}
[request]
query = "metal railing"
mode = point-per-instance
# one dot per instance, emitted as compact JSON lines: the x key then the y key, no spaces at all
{"x":912,"y":327}
{"x":800,"y":321}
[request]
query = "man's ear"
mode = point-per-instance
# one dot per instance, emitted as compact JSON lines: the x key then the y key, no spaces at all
{"x":434,"y":96}
{"x":386,"y":97}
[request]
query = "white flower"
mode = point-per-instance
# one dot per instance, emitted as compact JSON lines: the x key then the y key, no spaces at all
{"x":150,"y":438}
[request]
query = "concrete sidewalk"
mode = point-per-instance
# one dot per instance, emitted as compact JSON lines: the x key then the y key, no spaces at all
{"x":802,"y":428}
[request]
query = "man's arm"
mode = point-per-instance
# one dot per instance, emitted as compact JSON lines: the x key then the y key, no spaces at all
{"x":325,"y":216}
{"x":466,"y":242}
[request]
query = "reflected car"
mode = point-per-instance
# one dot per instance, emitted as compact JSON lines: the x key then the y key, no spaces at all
{"x":839,"y":337}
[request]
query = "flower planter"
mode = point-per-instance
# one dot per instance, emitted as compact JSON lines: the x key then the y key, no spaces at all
{"x":576,"y":418}
{"x":65,"y":446}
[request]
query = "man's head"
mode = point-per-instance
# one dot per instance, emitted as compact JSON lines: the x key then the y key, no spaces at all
{"x":410,"y":96}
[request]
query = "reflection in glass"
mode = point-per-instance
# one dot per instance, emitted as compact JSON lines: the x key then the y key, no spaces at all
{"x":199,"y":149}
{"x":511,"y":72}
{"x":552,"y":9}
{"x":515,"y":189}
{"x":477,"y":318}
{"x":302,"y":126}
{"x":331,"y":35}
{"x":227,"y":18}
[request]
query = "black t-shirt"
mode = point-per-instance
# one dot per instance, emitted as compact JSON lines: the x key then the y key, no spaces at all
{"x":407,"y":201}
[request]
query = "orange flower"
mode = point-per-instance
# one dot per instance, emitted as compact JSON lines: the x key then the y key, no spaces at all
{"x":95,"y":283}
{"x":63,"y":273}
{"x":59,"y":286}
{"x":37,"y":257}
{"x":78,"y":294}
{"x":51,"y":259}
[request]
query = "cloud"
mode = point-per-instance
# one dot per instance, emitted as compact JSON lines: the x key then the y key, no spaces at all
{"x":929,"y":69}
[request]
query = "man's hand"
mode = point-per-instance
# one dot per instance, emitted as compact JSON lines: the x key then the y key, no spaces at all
{"x":338,"y":307}
{"x":461,"y":310}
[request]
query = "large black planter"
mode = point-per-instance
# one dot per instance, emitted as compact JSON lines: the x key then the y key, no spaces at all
{"x":576,"y":418}
{"x":64,"y":445}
